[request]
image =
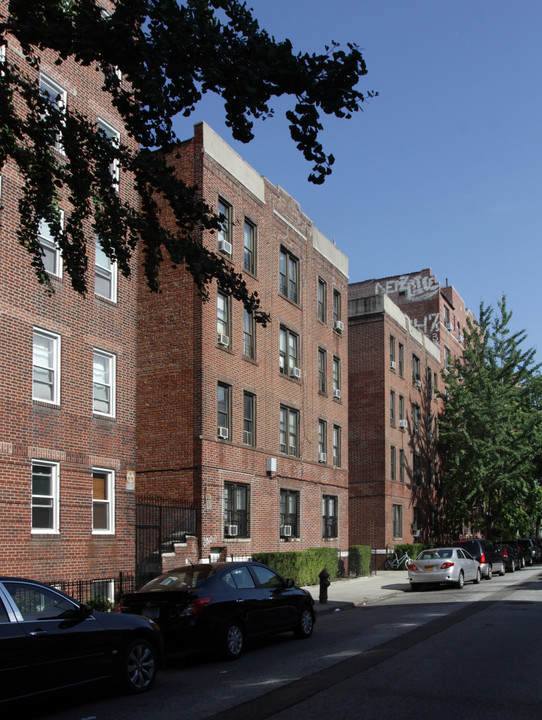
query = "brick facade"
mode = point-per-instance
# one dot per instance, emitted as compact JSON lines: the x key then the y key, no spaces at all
{"x":184,"y":355}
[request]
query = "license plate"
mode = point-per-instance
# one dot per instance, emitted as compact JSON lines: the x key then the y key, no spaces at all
{"x":152,"y":613}
{"x":429,"y":568}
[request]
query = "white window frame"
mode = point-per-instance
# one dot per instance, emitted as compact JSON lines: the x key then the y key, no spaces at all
{"x":108,"y":502}
{"x":52,"y":497}
{"x":107,"y":273}
{"x":56,"y":93}
{"x":52,"y":367}
{"x":223,"y":317}
{"x":111,"y":384}
{"x":48,"y":243}
{"x":113,"y":135}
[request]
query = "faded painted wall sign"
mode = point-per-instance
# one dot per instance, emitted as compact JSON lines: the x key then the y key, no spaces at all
{"x":414,"y":287}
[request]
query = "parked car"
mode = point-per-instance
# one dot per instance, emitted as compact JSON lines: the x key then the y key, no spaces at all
{"x":49,"y":641}
{"x":444,"y":565}
{"x":523,"y":552}
{"x":490,"y":559}
{"x":530,"y":550}
{"x":222,"y":605}
{"x":511,"y":556}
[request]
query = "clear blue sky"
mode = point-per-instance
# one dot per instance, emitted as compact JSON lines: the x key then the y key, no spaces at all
{"x":444,"y":168}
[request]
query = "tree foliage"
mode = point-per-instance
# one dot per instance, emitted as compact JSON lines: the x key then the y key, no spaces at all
{"x":169,"y":54}
{"x":490,"y":431}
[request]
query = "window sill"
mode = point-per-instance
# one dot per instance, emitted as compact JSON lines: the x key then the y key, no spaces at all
{"x":106,"y":300}
{"x":46,"y":404}
{"x":100,"y":416}
{"x":237,"y":540}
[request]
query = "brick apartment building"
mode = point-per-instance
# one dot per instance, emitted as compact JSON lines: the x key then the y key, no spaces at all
{"x":67,"y":405}
{"x":248,"y":423}
{"x":402,"y":331}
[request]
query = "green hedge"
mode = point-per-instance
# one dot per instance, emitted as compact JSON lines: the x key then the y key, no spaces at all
{"x":359,"y":560}
{"x":303,"y":566}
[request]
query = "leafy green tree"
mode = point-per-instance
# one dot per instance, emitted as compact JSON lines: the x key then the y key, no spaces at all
{"x":169,"y":53}
{"x":489,"y":432}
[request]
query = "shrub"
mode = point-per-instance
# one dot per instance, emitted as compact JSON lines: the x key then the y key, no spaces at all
{"x":101,"y":603}
{"x":303,"y":566}
{"x":359,"y":560}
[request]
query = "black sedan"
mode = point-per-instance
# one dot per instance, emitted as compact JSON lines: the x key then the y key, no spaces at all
{"x":49,"y":641}
{"x":222,"y":605}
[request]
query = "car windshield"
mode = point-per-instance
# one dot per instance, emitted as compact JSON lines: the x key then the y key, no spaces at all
{"x":435,"y":554}
{"x":188,"y":578}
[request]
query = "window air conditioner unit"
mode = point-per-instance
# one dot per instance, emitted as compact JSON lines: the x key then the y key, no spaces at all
{"x":416,"y":533}
{"x":231,"y":530}
{"x":449,"y":326}
{"x":296,"y":372}
{"x":418,"y":384}
{"x":286,"y":531}
{"x":337,"y":394}
{"x":223,"y":340}
{"x":392,"y":365}
{"x":224,"y":246}
{"x":322,"y":457}
{"x":223,"y":433}
{"x":461,"y":339}
{"x":403,"y":424}
{"x":338,"y":325}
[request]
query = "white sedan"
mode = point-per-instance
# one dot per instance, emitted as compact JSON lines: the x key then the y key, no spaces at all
{"x":443,"y":565}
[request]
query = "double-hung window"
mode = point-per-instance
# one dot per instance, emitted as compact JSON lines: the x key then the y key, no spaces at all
{"x":330,"y":516}
{"x":402,"y":466}
{"x":401,"y":360}
{"x":392,"y":352}
{"x":288,"y":275}
{"x":249,"y":257}
{"x":322,"y":441}
{"x":236,"y":510}
{"x":392,"y":407}
{"x":321,"y":300}
{"x":401,"y":408}
{"x":289,"y":431}
{"x":112,"y":135}
{"x":103,"y":383}
{"x":50,"y":252}
{"x":249,"y":345}
{"x":224,"y":411}
{"x":289,"y":353}
{"x":45,"y":497}
{"x":416,"y":376}
{"x":392,"y":462}
{"x":416,"y":419}
{"x":105,"y":274}
{"x":225,"y":227}
{"x":336,"y":446}
{"x":56,"y":97}
{"x":249,"y":419}
{"x":397,"y":518}
{"x":223,"y":319}
{"x":289,"y":513}
{"x":322,"y":370}
{"x":337,"y":311}
{"x":103,"y":494}
{"x":337,"y":378}
{"x":46,"y":367}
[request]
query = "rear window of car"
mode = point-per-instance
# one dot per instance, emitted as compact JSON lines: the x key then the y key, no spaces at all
{"x":471,"y":547}
{"x":184,"y":579}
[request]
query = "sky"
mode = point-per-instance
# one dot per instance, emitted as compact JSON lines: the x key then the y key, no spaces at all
{"x":444,"y":168}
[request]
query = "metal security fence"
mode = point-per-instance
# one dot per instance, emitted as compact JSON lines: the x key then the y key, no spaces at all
{"x":102,"y":593}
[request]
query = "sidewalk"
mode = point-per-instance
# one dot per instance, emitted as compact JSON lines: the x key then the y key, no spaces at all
{"x":351,"y":592}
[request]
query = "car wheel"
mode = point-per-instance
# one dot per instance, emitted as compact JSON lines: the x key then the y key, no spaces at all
{"x":502,"y":571}
{"x":479,"y":577}
{"x":489,"y":572}
{"x":513,"y":566}
{"x":233,"y":642}
{"x":522,"y":562}
{"x":139,"y":666}
{"x":305,"y":624}
{"x":461,"y":580}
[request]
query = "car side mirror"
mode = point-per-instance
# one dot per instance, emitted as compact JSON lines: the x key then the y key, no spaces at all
{"x":289,"y":583}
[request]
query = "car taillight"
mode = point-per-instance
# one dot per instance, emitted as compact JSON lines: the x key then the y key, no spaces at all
{"x":505,"y":552}
{"x":413,"y":567}
{"x":482,"y":558}
{"x":446,"y":565}
{"x":196,"y":607}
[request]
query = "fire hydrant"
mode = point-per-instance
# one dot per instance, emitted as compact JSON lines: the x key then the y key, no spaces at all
{"x":324,"y":584}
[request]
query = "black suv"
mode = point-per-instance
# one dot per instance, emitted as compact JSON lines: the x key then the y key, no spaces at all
{"x":489,"y":557}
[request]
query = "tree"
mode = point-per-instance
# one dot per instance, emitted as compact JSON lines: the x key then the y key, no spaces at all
{"x":489,"y":431}
{"x":169,"y":54}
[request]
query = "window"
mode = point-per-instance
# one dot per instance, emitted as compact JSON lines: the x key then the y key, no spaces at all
{"x":44,"y":497}
{"x":46,"y":367}
{"x":322,"y":441}
{"x":249,"y":345}
{"x":57,"y":99}
{"x":289,"y":513}
{"x":337,"y":378}
{"x":392,"y":462}
{"x":416,"y":377}
{"x":397,"y":511}
{"x":401,"y":360}
{"x":435,"y":384}
{"x":289,"y":275}
{"x":329,"y":516}
{"x":50,"y":252}
{"x":392,"y":407}
{"x":224,"y":411}
{"x":429,"y":376}
{"x":223,"y":319}
{"x":447,"y":316}
{"x":224,"y":229}
{"x":336,"y":446}
{"x":322,"y":370}
{"x":113,"y":137}
{"x":402,"y":466}
{"x":289,"y":353}
{"x":289,"y":431}
{"x":447,"y":358}
{"x":337,"y":324}
{"x":105,"y":278}
{"x":249,"y":258}
{"x":392,"y":352}
{"x":236,"y":510}
{"x":401,"y":408}
{"x":103,"y":378}
{"x":416,"y":521}
{"x":321,"y":300}
{"x":249,"y":419}
{"x":37,"y":604}
{"x":102,"y":501}
{"x":416,"y":419}
{"x":416,"y":470}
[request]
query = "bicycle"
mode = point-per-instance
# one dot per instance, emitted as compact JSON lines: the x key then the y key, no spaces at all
{"x":397,"y":563}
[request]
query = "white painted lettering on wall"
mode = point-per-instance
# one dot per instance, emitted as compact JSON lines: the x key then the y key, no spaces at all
{"x":429,"y":325}
{"x":414,"y":287}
